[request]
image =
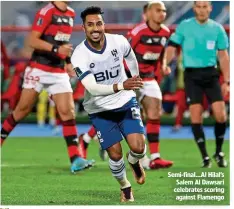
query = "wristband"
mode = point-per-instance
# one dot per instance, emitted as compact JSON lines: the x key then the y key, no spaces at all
{"x":120,"y":86}
{"x":55,"y":49}
{"x":68,"y":60}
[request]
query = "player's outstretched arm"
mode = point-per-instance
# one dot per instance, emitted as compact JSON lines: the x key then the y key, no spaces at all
{"x":96,"y":89}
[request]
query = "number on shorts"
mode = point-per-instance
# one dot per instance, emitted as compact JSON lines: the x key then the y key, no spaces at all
{"x":99,"y":135}
{"x":136,"y":114}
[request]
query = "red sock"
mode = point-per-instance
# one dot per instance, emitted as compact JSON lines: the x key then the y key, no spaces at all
{"x":92,"y":132}
{"x":70,"y":135}
{"x":8,"y":125}
{"x":152,"y":129}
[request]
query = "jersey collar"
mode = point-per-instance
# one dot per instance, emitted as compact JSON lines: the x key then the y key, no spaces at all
{"x":154,"y":31}
{"x":94,"y":50}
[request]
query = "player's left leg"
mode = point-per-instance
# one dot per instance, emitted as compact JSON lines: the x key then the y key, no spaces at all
{"x":132,"y":129}
{"x":109,"y":136}
{"x":136,"y":143}
{"x":152,"y":108}
{"x":219,"y":112}
{"x":214,"y":95}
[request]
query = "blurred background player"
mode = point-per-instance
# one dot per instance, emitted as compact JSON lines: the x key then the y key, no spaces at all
{"x":109,"y":99}
{"x":148,"y":41}
{"x":49,"y":38}
{"x":201,"y":75}
{"x":42,"y":110}
{"x":144,"y":13}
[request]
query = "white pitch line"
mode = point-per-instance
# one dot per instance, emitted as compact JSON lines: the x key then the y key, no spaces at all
{"x":20,"y":165}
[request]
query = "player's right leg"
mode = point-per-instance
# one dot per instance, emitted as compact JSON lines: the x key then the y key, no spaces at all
{"x":109,"y":137}
{"x":118,"y":170}
{"x":151,"y":102}
{"x":27,"y":99}
{"x":194,"y":95}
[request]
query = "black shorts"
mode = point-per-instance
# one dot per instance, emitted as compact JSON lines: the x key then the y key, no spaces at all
{"x":202,"y":81}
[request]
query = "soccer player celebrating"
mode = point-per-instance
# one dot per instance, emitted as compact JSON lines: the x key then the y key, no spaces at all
{"x":109,"y":97}
{"x":84,"y":139}
{"x":202,"y":39}
{"x":50,"y":37}
{"x":148,"y":41}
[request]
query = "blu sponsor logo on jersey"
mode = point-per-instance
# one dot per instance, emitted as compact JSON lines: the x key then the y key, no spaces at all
{"x":108,"y":74}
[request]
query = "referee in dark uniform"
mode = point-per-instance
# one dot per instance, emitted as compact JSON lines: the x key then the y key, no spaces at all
{"x":202,"y":40}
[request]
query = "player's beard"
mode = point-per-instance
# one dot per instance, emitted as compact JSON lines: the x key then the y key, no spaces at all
{"x":94,"y":43}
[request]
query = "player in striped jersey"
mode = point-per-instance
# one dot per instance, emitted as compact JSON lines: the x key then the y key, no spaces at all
{"x":148,"y":40}
{"x":49,"y":38}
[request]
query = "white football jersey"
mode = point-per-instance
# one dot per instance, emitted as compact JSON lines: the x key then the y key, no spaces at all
{"x":107,"y":67}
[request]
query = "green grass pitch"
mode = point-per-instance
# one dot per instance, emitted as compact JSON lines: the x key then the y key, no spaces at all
{"x":35,"y":171}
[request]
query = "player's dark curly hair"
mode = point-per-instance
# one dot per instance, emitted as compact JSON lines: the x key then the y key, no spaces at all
{"x":91,"y":11}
